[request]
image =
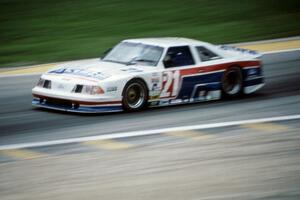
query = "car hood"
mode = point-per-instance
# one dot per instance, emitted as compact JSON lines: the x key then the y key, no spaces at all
{"x":95,"y":70}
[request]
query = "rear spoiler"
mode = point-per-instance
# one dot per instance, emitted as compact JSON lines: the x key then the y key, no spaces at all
{"x":241,"y":51}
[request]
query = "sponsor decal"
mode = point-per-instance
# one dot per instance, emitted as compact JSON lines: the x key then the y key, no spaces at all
{"x":154,"y":103}
{"x":132,"y":69}
{"x":175,"y":101}
{"x":155,"y":91}
{"x":112,"y":89}
{"x":154,"y":79}
{"x":153,"y":97}
{"x":155,"y":87}
{"x":241,"y":50}
{"x":80,"y":72}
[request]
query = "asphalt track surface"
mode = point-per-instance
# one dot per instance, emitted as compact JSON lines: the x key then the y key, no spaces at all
{"x":226,"y":163}
{"x":20,"y":122}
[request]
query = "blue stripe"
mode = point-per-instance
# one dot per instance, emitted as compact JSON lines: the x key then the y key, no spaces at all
{"x":189,"y":82}
{"x":256,"y":81}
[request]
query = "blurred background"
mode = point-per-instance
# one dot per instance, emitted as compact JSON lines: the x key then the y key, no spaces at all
{"x":34,"y":31}
{"x":242,"y":162}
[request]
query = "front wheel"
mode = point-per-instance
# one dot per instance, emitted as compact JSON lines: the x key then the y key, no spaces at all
{"x":135,"y":95}
{"x":232,"y":82}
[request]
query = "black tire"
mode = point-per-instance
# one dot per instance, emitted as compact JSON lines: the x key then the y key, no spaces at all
{"x":232,"y":82}
{"x":135,"y":95}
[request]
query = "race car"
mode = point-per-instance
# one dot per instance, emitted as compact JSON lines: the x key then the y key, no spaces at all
{"x":150,"y":72}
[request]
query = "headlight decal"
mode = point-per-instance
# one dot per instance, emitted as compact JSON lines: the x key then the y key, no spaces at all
{"x":77,"y":88}
{"x":44,"y":83}
{"x":47,"y":84}
{"x":40,"y":82}
{"x":88,"y":89}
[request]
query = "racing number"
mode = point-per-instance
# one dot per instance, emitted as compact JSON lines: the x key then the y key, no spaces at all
{"x":170,"y":83}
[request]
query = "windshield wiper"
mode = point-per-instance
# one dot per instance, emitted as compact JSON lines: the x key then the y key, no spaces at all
{"x":135,"y":60}
{"x":114,"y":61}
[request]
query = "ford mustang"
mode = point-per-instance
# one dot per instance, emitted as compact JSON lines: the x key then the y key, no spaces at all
{"x":149,"y":72}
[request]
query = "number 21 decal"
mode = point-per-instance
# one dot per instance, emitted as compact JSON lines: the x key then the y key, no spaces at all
{"x":170,"y":83}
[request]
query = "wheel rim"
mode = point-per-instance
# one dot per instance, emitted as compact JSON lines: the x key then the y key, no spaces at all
{"x":232,"y":82}
{"x":135,"y":95}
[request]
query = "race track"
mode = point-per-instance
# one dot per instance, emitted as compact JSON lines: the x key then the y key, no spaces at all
{"x":239,"y":162}
{"x":20,"y":122}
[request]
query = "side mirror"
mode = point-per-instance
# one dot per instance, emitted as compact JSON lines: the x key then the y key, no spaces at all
{"x":168,"y":61}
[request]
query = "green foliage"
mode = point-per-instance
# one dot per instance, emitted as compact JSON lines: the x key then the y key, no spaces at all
{"x":39,"y":31}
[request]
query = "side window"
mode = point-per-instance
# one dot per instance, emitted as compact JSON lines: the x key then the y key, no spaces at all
{"x":206,"y":55}
{"x":178,"y":56}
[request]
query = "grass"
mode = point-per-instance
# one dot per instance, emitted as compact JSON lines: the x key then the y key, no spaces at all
{"x":41,"y":31}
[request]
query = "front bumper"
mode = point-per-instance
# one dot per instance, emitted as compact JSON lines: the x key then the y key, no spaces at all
{"x":60,"y":102}
{"x":69,"y":106}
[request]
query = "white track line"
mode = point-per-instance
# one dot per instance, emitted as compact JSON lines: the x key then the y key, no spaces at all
{"x":146,"y":132}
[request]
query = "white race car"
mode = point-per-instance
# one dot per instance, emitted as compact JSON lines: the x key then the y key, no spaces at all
{"x":137,"y":73}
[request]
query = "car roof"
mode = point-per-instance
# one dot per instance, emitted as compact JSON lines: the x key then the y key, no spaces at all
{"x":166,"y":41}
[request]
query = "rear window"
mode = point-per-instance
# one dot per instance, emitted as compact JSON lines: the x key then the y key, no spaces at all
{"x":206,"y":54}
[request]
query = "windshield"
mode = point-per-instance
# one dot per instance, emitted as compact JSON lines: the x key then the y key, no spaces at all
{"x":134,"y":53}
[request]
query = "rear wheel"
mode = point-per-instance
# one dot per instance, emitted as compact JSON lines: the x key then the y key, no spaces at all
{"x":232,"y":82}
{"x":135,"y":95}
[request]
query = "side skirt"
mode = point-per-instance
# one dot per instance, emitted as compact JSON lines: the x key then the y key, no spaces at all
{"x":203,"y":97}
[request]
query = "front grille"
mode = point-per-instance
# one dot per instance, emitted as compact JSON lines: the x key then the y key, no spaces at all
{"x":59,"y":102}
{"x":78,"y":88}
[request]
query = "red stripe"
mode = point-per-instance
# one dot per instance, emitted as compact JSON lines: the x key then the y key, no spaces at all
{"x":211,"y":68}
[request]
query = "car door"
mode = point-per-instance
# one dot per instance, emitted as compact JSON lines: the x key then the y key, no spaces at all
{"x":204,"y":80}
{"x":177,"y":61}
